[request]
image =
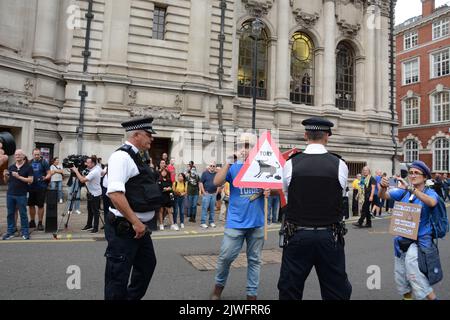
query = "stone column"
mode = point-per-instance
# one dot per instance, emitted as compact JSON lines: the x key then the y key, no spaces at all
{"x":282,"y":72}
{"x":384,"y":65}
{"x":46,"y":29}
{"x":329,"y":58}
{"x":200,"y":24}
{"x":115,"y":36}
{"x":318,"y":80}
{"x":65,"y":32}
{"x":370,"y":70}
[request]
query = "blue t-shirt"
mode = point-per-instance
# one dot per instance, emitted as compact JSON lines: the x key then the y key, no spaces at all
{"x":17,"y":187}
{"x":425,"y":228}
{"x":40,"y":169}
{"x":243,"y":213}
{"x":208,"y":181}
{"x":378,"y":180}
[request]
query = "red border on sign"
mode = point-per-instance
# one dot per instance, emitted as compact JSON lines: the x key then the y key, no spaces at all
{"x":264,"y":185}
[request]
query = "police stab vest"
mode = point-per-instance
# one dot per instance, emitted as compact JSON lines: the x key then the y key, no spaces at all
{"x":142,"y":191}
{"x":315,"y":193}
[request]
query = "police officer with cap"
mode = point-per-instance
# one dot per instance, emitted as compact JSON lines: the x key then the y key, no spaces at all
{"x":134,"y":195}
{"x":314,"y":183}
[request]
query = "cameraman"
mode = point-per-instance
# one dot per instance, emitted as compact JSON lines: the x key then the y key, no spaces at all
{"x":94,"y":191}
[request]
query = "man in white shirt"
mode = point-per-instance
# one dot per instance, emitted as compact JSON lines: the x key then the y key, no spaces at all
{"x":134,"y":195}
{"x":92,"y":181}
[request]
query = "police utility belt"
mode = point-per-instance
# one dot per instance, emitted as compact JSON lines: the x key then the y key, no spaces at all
{"x":123,"y":227}
{"x":288,"y":230}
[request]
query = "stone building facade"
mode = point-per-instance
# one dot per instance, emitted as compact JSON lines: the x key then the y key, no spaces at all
{"x":423,"y":89}
{"x":316,"y":58}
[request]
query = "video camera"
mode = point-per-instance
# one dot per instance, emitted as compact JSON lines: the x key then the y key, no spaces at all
{"x":8,"y":143}
{"x":77,"y":161}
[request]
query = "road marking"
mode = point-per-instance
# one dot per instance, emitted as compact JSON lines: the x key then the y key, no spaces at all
{"x":46,"y":241}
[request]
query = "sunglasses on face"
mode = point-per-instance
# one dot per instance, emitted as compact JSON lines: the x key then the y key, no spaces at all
{"x":415,"y":173}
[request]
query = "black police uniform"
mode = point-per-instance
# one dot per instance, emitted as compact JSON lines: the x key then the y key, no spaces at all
{"x":313,"y":217}
{"x":126,"y":255}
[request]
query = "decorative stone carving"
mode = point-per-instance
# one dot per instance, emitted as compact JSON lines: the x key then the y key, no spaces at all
{"x":29,"y":85}
{"x":132,"y":96}
{"x":258,"y":8}
{"x":357,"y":3}
{"x":12,"y":100}
{"x":306,"y":20}
{"x":155,"y":112}
{"x":178,"y":102}
{"x":347,"y":29}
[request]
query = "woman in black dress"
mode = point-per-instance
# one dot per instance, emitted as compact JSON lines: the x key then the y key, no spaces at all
{"x":165,"y":184}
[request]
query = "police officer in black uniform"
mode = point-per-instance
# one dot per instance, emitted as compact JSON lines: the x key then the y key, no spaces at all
{"x":314,"y":182}
{"x":135,"y":196}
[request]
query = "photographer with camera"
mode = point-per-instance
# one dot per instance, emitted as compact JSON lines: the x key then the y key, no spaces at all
{"x":38,"y":189}
{"x":94,"y":191}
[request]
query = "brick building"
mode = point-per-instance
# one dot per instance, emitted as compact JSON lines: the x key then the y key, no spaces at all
{"x":423,"y":86}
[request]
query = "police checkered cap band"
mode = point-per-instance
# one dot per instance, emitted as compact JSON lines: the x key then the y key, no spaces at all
{"x":317,"y":128}
{"x":140,"y":126}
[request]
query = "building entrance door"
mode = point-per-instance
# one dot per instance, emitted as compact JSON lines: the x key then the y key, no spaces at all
{"x":159,"y":146}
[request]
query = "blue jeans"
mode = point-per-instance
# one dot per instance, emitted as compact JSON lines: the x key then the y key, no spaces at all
{"x":208,"y":201}
{"x":178,"y":208}
{"x":57,"y":185}
{"x":76,"y":200}
{"x":192,"y":212}
{"x":274,"y":207}
{"x":20,"y":202}
{"x":233,"y":240}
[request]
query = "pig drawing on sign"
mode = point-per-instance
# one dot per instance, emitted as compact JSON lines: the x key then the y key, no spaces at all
{"x":268,"y":169}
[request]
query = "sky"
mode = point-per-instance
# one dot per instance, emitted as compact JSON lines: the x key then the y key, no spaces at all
{"x":406,"y":9}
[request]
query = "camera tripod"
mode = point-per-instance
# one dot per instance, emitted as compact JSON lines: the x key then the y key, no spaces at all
{"x":69,"y":208}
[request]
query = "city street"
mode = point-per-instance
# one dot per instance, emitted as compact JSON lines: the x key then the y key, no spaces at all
{"x":36,"y":269}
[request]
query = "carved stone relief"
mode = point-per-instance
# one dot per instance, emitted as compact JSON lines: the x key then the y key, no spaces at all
{"x":258,"y":8}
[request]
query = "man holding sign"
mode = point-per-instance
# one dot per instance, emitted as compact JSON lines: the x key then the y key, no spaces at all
{"x":314,"y":183}
{"x":245,"y":221}
{"x":408,"y":276}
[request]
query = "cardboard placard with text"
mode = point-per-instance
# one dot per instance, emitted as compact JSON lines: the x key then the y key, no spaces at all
{"x":405,"y":220}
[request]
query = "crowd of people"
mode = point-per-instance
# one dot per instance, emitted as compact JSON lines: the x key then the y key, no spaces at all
{"x":368,"y":205}
{"x":184,"y":193}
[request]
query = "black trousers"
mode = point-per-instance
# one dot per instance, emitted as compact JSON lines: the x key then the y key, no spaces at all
{"x":365,"y":213}
{"x":93,"y":206}
{"x":307,"y":249}
{"x":355,"y":208}
{"x":124,"y":256}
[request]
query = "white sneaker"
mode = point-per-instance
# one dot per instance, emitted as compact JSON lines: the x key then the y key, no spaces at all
{"x":203,"y":226}
{"x":78,"y":212}
{"x":174,"y":227}
{"x":212,"y":225}
{"x":182,"y":225}
{"x":161,"y":227}
{"x":60,"y":201}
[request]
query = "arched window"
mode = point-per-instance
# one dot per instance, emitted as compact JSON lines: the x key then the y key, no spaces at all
{"x":441,"y":107}
{"x":411,"y":112}
{"x":245,"y":67}
{"x":345,"y":77}
{"x":441,"y":151}
{"x":411,"y":151}
{"x":302,"y":69}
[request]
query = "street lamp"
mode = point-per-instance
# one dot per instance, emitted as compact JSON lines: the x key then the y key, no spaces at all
{"x":257,"y":26}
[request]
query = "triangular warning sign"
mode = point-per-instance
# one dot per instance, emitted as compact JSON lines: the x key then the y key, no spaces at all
{"x":263,"y":167}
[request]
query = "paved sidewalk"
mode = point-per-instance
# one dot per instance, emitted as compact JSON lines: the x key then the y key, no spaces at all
{"x":78,"y":221}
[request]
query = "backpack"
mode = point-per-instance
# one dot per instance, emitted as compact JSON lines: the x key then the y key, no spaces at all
{"x":439,"y":219}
